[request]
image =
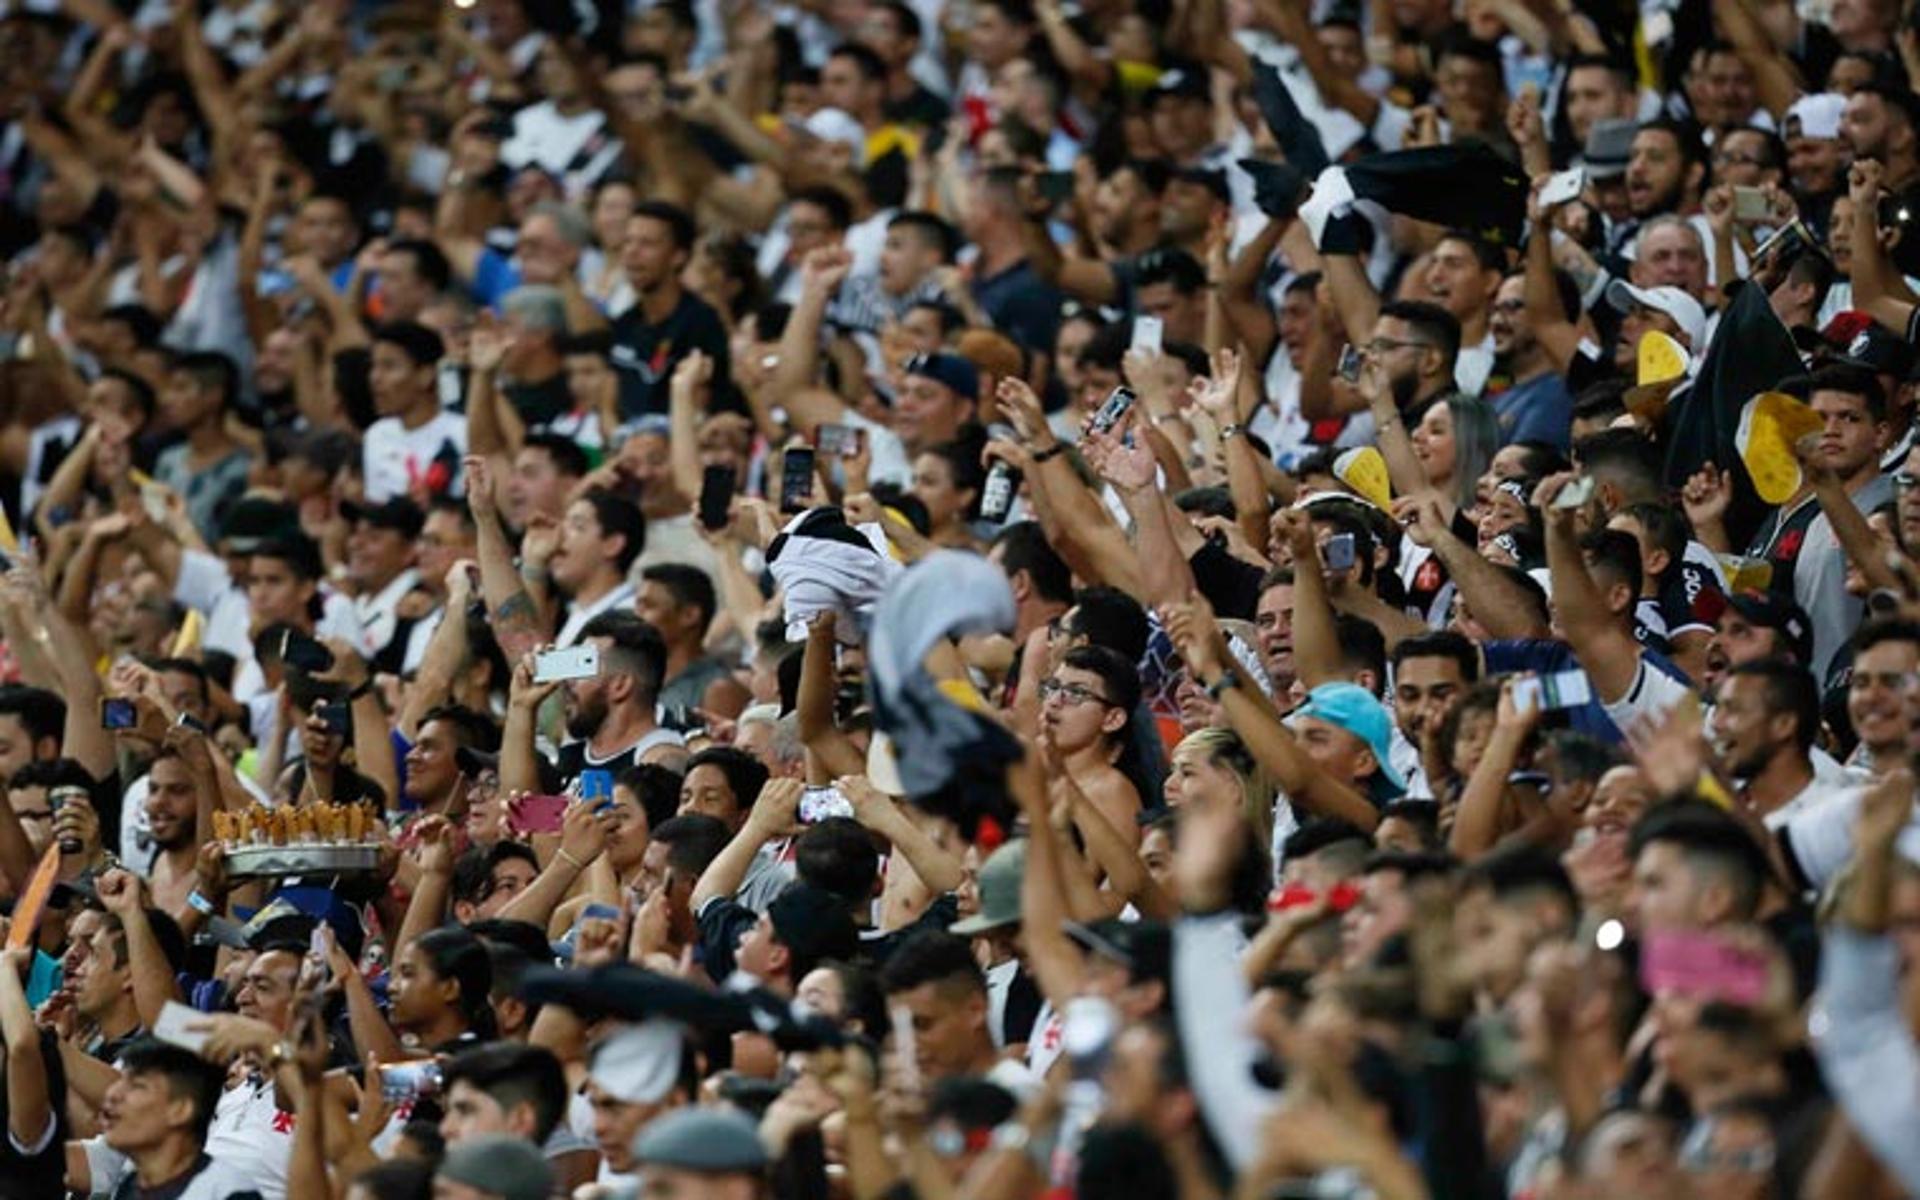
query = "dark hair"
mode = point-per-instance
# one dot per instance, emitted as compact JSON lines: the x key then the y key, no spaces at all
{"x":421,"y":345}
{"x":1109,"y":617}
{"x":692,"y":841}
{"x":1897,"y":99}
{"x":429,"y":261}
{"x":1790,"y":688}
{"x":1614,"y":552}
{"x":688,"y":585}
{"x":1489,"y":256}
{"x":837,"y":856}
{"x":1410,"y":864}
{"x":931,"y":956}
{"x":930,"y":227}
{"x":188,"y":1077}
{"x":1429,"y":321}
{"x":637,"y":649}
{"x":473,"y":870}
{"x":1666,"y":529}
{"x":827,"y":200}
{"x":1319,"y":833}
{"x":1853,"y":381}
{"x":1623,"y":457}
{"x":1362,"y":648}
{"x":1601,"y":401}
{"x":43,"y":714}
{"x":397,"y":1179}
{"x":524,"y":938}
{"x":142,"y":390}
{"x":568,"y":458}
{"x":512,"y":1073}
{"x":1441,"y":643}
{"x":300,"y":552}
{"x":1024,"y":547}
{"x":1423,"y":815}
{"x":745,"y":774}
{"x":971,"y":1103}
{"x":52,"y":773}
{"x":1709,"y":840}
{"x":472,"y":729}
{"x":871,"y":65}
{"x":1517,"y":870}
{"x":658,"y":790}
{"x":1124,"y":1158}
{"x":1459,"y":43}
{"x":1622,"y":72}
{"x":456,"y":954}
{"x":679,"y":224}
{"x":910,"y":26}
{"x":1686,"y":134}
{"x":211,"y":369}
{"x":1175,"y":268}
{"x":618,"y":515}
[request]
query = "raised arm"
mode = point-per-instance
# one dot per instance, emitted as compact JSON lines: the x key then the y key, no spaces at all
{"x":583,"y":835}
{"x":1878,"y":288}
{"x":771,"y":816}
{"x":1605,"y":649}
{"x":1476,"y":825}
{"x":1557,"y":335}
{"x":1497,"y":600}
{"x":830,"y":749}
{"x":792,"y":378}
{"x":517,"y":623}
{"x":1316,"y":637}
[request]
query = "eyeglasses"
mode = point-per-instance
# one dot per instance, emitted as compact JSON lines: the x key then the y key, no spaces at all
{"x":1698,"y":1154}
{"x":1905,"y":482}
{"x":1737,"y":160}
{"x":1072,"y":692}
{"x":1385,"y":345}
{"x":1510,"y":306}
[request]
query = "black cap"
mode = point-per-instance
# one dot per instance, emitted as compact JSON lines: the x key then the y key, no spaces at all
{"x":814,"y":925}
{"x":1879,"y":350}
{"x":1181,"y":78}
{"x":253,"y":520}
{"x":421,"y":344}
{"x":399,"y":514}
{"x":1145,"y":948}
{"x":1772,"y":612}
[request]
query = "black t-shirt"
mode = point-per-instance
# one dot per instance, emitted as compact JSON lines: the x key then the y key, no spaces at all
{"x":645,"y":354}
{"x":30,"y":1177}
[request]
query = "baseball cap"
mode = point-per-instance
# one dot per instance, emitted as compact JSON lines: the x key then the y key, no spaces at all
{"x":813,"y":924}
{"x":999,"y":885}
{"x":254,"y":520}
{"x":1818,"y":114}
{"x":1181,"y":78}
{"x":511,"y":1168}
{"x":1861,"y":341}
{"x":1772,"y":612}
{"x":710,"y":1141}
{"x":1144,"y":948}
{"x":639,"y":1064}
{"x":400,"y":514}
{"x":1358,"y":711}
{"x":1684,"y":309}
{"x":1609,"y":145}
{"x":837,"y":125}
{"x":956,"y":373}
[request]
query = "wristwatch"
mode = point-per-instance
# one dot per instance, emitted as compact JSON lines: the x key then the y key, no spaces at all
{"x":1231,"y":429}
{"x":1227,"y":681}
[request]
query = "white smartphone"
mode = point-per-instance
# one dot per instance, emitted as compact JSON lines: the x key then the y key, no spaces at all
{"x":1575,"y":494}
{"x":172,"y":1029}
{"x":575,"y":662}
{"x":1563,"y":186}
{"x":1149,"y":334}
{"x":1561,"y":689}
{"x":904,"y":1047}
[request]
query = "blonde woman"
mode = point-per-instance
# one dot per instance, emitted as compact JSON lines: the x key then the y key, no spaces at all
{"x":1214,"y":764}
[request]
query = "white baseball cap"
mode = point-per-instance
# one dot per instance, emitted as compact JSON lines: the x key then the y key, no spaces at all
{"x":1684,"y":309}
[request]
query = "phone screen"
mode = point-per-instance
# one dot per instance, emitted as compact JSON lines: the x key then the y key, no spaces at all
{"x":796,"y":480}
{"x":537,"y":814}
{"x":716,"y":496}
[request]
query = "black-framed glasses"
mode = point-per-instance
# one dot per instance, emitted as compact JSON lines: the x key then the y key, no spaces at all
{"x":1904,"y":481}
{"x":1073,"y":693}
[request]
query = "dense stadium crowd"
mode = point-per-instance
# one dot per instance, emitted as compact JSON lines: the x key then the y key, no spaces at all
{"x":959,"y":599}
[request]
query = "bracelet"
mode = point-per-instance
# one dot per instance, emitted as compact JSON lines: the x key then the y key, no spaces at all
{"x":569,"y":859}
{"x":200,"y":903}
{"x":1231,"y":429}
{"x":1051,"y":452}
{"x":365,"y":688}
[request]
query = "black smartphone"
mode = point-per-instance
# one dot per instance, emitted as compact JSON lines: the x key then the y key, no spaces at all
{"x":796,"y":480}
{"x":189,"y":721}
{"x":118,"y":713}
{"x":716,"y":496}
{"x":299,"y":650}
{"x":337,"y":715}
{"x":1054,"y":186}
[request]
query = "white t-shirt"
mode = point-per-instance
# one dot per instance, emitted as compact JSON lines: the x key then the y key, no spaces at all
{"x":579,"y":614}
{"x":221,"y":1180}
{"x":252,"y":1135}
{"x":393,"y":455}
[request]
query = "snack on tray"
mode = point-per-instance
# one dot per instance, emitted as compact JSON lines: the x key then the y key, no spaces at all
{"x":304,"y":825}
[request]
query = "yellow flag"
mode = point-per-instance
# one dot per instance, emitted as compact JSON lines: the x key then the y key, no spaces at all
{"x":1770,"y":424}
{"x":1365,"y":471}
{"x":186,"y":643}
{"x":1661,"y":358}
